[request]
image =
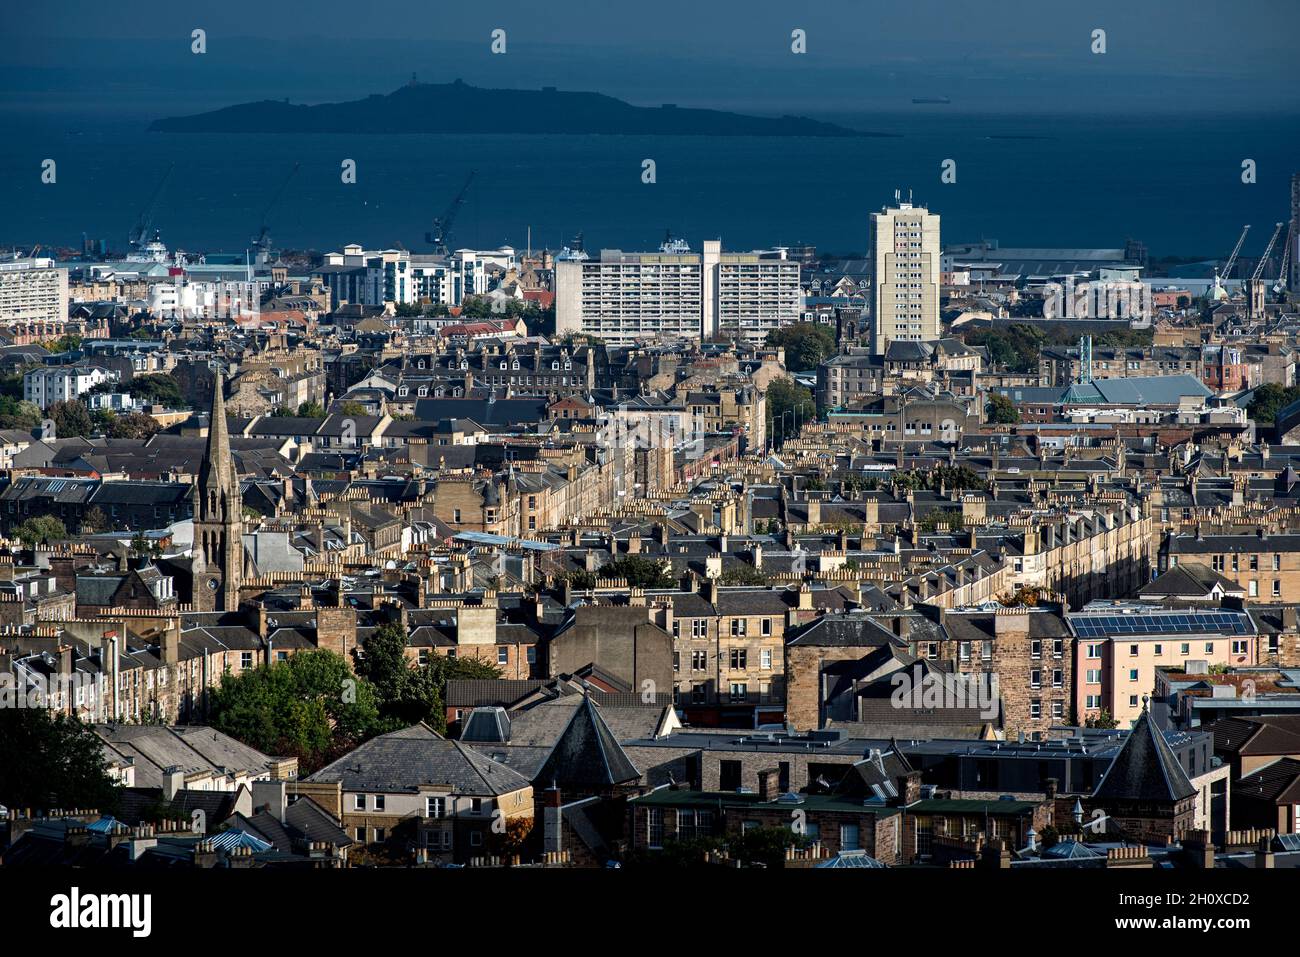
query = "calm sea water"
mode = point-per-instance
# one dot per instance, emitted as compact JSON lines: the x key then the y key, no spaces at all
{"x":1060,"y":181}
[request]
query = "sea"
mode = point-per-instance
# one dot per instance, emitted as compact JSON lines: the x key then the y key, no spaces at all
{"x":1175,"y":182}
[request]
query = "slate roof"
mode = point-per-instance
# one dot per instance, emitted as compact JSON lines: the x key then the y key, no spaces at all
{"x":1145,"y":769}
{"x":405,"y":760}
{"x":586,"y":755}
{"x":1188,"y":578}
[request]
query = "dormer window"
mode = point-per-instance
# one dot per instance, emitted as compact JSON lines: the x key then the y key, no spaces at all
{"x":515,"y":365}
{"x":464,"y":364}
{"x":424,"y":390}
{"x":567,"y":365}
{"x":555,"y":366}
{"x":421,"y":363}
{"x":503,"y":366}
{"x":403,"y":391}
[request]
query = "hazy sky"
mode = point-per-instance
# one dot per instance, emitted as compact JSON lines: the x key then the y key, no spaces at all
{"x":132,"y":57}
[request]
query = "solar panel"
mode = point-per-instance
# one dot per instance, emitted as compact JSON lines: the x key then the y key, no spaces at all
{"x":1155,"y":623}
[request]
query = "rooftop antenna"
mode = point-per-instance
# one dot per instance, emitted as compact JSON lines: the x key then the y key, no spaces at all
{"x":898,"y":196}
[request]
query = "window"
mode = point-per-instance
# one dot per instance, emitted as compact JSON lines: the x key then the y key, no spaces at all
{"x":699,"y":694}
{"x":1058,"y":678}
{"x":1277,"y":563}
{"x":932,"y":650}
{"x":379,"y":802}
{"x":1058,"y":648}
{"x":739,"y":658}
{"x":765,"y":659}
{"x":532,"y":654}
{"x":1132,"y":701}
{"x":434,"y":806}
{"x":1035,"y":678}
{"x":1132,"y":674}
{"x":699,"y":660}
{"x":1094,"y":676}
{"x":1254,"y":588}
{"x":1254,"y":563}
{"x":654,"y":826}
{"x":1035,"y":649}
{"x":361,"y":834}
{"x":1277,"y":588}
{"x":1093,"y":701}
{"x":1132,"y":651}
{"x":739,"y":691}
{"x":986,"y":650}
{"x":1239,"y":646}
{"x":379,"y":835}
{"x":455,"y":515}
{"x":963,"y":650}
{"x":765,"y":627}
{"x":245,"y":659}
{"x":1185,"y":648}
{"x":849,"y":837}
{"x":1094,"y":651}
{"x":359,"y":802}
{"x":1058,"y":709}
{"x":503,"y":656}
{"x":738,"y":626}
{"x":1160,"y":650}
{"x":1209,"y":647}
{"x":1035,"y":708}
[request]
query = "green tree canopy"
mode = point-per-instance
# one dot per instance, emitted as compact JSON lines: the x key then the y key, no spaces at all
{"x":310,"y":706}
{"x":1001,"y":410}
{"x":50,"y":760}
{"x":640,"y":572}
{"x":806,"y":344}
{"x":71,"y":419}
{"x":40,"y":530}
{"x":784,"y":395}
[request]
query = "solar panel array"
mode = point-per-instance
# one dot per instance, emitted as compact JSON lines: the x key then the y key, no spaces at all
{"x":1163,"y":623}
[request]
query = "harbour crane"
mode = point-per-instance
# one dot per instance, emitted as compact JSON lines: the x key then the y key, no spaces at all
{"x":442,"y":225}
{"x":1280,"y":285}
{"x":1256,"y":286}
{"x":262,"y":241}
{"x":139,"y":235}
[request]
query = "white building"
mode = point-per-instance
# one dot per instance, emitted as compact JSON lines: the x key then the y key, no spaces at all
{"x":45,"y":386}
{"x":904,"y":253}
{"x":624,"y":297}
{"x":33,"y":289}
{"x":224,"y":299}
{"x":368,"y":277}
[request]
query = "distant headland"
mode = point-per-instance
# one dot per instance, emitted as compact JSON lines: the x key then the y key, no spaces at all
{"x":458,"y":107}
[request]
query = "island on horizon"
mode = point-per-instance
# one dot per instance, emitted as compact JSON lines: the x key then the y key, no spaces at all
{"x":458,"y":107}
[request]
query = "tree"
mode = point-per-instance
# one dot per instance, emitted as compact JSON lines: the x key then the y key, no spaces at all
{"x":764,"y":845}
{"x":407,"y":694}
{"x":68,"y":343}
{"x":94,"y":521}
{"x":1103,"y":721}
{"x":41,"y":530}
{"x":640,"y":572}
{"x":1001,"y":410}
{"x":311,"y":410}
{"x":1270,"y":399}
{"x":157,"y":388}
{"x":352,"y":407}
{"x":71,"y":419}
{"x":133,"y":425}
{"x":17,"y":414}
{"x":787,"y":401}
{"x":310,"y":706}
{"x":50,"y":760}
{"x":806,"y":344}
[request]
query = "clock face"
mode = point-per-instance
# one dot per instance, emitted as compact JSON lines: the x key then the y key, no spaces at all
{"x":213,"y":584}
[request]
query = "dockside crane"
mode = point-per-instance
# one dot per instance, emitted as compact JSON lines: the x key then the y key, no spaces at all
{"x":442,"y":225}
{"x":262,"y":241}
{"x":1256,"y":286}
{"x":138,"y":237}
{"x":1280,"y":285}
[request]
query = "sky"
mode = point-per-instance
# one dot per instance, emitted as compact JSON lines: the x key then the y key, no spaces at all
{"x":133,"y":57}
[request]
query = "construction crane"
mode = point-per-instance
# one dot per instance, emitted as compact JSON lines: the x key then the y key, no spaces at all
{"x":442,"y":225}
{"x":262,"y":241}
{"x":1219,"y":291}
{"x":139,"y":235}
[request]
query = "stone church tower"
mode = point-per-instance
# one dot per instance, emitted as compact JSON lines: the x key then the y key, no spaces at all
{"x":218,"y":519}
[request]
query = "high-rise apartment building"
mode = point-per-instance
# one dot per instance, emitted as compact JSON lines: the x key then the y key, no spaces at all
{"x":904,"y":252}
{"x":625,"y":297}
{"x":33,"y":289}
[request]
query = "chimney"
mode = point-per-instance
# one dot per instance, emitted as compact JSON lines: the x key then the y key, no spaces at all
{"x":173,"y":782}
{"x":769,"y":784}
{"x":634,"y":543}
{"x":710,"y":592}
{"x":1264,"y":854}
{"x":662,"y":536}
{"x":552,"y":820}
{"x":805,"y":597}
{"x":1198,"y":847}
{"x":272,"y":796}
{"x":909,"y":788}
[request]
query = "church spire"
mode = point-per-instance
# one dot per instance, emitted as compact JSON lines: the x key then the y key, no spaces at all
{"x":215,"y":472}
{"x":218,"y":518}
